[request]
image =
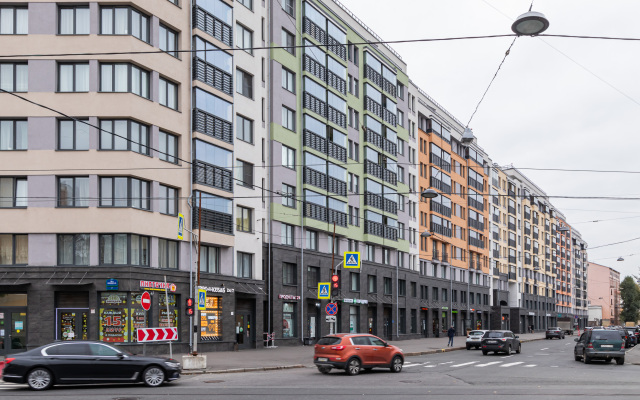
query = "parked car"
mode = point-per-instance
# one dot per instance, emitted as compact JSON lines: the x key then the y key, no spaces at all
{"x":554,"y":332}
{"x":599,"y":344}
{"x":632,"y":339}
{"x":354,"y":352}
{"x":500,"y":341}
{"x":474,"y":339}
{"x":86,"y":362}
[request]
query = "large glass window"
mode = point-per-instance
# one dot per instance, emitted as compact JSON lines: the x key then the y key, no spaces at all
{"x":244,"y":38}
{"x":288,"y":195}
{"x":124,"y":78}
{"x":13,"y":192}
{"x":212,"y":54}
{"x":124,"y":134}
{"x":73,"y":77}
{"x":168,"y":199}
{"x":124,"y":192}
{"x":219,"y":9}
{"x":14,"y":21}
{"x":211,"y":319}
{"x":168,"y":94}
{"x":13,"y":135}
{"x":210,"y":259}
{"x":289,"y":320}
{"x":14,"y":249}
{"x":244,"y":173}
{"x":244,"y":129}
{"x":244,"y":83}
{"x":74,"y":21}
{"x":124,"y":21}
{"x":167,"y":254}
{"x":214,"y":105}
{"x":73,"y":135}
{"x":73,"y":191}
{"x":213,"y":155}
{"x":124,"y":249}
{"x":289,"y":276}
{"x":168,"y":146}
{"x":14,"y":77}
{"x":73,"y":249}
{"x":245,"y":265}
{"x":168,"y":40}
{"x":288,"y":119}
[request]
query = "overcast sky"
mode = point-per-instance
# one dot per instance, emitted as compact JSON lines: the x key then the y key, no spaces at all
{"x":556,"y":103}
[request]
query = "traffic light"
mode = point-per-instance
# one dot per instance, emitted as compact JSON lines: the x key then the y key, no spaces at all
{"x":335,"y":282}
{"x":189,"y":310}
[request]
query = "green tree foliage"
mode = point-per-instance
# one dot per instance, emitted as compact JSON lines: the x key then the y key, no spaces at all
{"x":630,"y":294}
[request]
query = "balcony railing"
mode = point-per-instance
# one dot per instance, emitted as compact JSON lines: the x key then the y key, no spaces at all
{"x":211,"y":175}
{"x":373,"y":106}
{"x":336,"y":151}
{"x":336,"y":82}
{"x":511,"y":226}
{"x":373,"y":200}
{"x":476,"y":242}
{"x":213,"y":126}
{"x":476,"y":224}
{"x":314,"y":104}
{"x":315,"y":178}
{"x":389,"y":117}
{"x":389,"y":177}
{"x":336,"y":47}
{"x":337,"y":117}
{"x":439,"y":162}
{"x":390,"y":147}
{"x":496,"y":218}
{"x":496,"y":236}
{"x":389,"y":87}
{"x":512,"y":210}
{"x":440,"y":209}
{"x":390,"y":206}
{"x":372,"y":168}
{"x":315,"y":68}
{"x":314,"y":30}
{"x":212,"y":76}
{"x":496,"y":253}
{"x":213,"y":220}
{"x":512,"y":243}
{"x":378,"y":229}
{"x":445,"y":257}
{"x":441,"y":230}
{"x":337,"y":186}
{"x":374,"y":138}
{"x":315,"y":141}
{"x":474,"y":203}
{"x":512,"y":276}
{"x":495,"y":200}
{"x":373,"y":75}
{"x":438,"y":184}
{"x":213,"y":26}
{"x":475,"y":184}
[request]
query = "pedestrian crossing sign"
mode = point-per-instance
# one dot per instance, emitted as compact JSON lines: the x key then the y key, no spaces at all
{"x":352,"y":259}
{"x":202,"y":299}
{"x":324,"y":290}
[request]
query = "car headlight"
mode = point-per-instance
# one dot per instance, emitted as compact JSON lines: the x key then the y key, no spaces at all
{"x":172,"y":364}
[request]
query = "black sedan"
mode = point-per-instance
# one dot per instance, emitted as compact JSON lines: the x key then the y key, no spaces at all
{"x":500,"y":341}
{"x":86,"y":362}
{"x":554,"y":332}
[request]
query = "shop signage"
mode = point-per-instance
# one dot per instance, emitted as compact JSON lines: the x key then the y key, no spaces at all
{"x":112,"y":284}
{"x":355,"y":301}
{"x":157,"y":334}
{"x":548,"y":315}
{"x":444,"y":308}
{"x":216,"y":289}
{"x":351,"y":259}
{"x":454,"y":311}
{"x":532,"y":313}
{"x":151,"y":285}
{"x":288,"y":297}
{"x":424,"y":308}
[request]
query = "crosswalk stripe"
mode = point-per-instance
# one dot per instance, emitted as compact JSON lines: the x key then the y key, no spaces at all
{"x":529,"y":366}
{"x":487,"y":364}
{"x":430,"y":366}
{"x":462,"y":365}
{"x":511,"y":364}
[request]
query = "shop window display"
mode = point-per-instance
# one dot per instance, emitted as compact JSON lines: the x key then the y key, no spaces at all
{"x":211,"y":319}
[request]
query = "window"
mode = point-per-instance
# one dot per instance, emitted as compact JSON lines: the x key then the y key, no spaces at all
{"x":402,"y":287}
{"x":210,"y":259}
{"x":354,"y":118}
{"x":124,"y":134}
{"x":14,"y":77}
{"x":313,"y":277}
{"x":288,"y":195}
{"x":354,"y":216}
{"x":168,"y":199}
{"x":13,"y":135}
{"x":289,"y":274}
{"x":355,"y":281}
{"x":14,"y":21}
{"x":372,"y":286}
{"x":244,"y":83}
{"x":401,"y":174}
{"x":244,"y":38}
{"x":353,"y":183}
{"x":124,"y":21}
{"x":286,"y":234}
{"x":244,"y":173}
{"x":288,"y":42}
{"x":13,"y":192}
{"x":289,"y":320}
{"x":352,"y":53}
{"x":369,"y":253}
{"x":73,"y":77}
{"x":288,"y":119}
{"x":124,"y":192}
{"x":14,"y":249}
{"x":122,"y":78}
{"x":73,"y":21}
{"x":244,"y":219}
{"x":414,"y":289}
{"x":167,"y":254}
{"x":288,"y":80}
{"x":73,"y":249}
{"x":246,"y":3}
{"x":244,"y":129}
{"x":388,"y":287}
{"x":168,"y":147}
{"x":289,"y":7}
{"x":288,"y":157}
{"x":401,"y":118}
{"x":73,"y":192}
{"x":124,"y":249}
{"x":168,"y":40}
{"x":168,"y":94}
{"x":354,"y":150}
{"x":245,"y":265}
{"x":311,"y":240}
{"x":73,"y":135}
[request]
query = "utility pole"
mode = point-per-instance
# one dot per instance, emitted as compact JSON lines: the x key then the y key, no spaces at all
{"x":195,"y":291}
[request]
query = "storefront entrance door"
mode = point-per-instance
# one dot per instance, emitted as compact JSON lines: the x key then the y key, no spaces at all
{"x":245,"y":329}
{"x":13,"y":331}
{"x":72,"y":324}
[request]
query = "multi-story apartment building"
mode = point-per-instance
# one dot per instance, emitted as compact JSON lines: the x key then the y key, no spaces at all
{"x":561,"y":249}
{"x":580,"y":277}
{"x":604,"y":291}
{"x":90,"y":220}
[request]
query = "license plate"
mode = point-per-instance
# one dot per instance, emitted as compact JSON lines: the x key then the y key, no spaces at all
{"x":607,"y":345}
{"x":491,"y":341}
{"x":323,"y":359}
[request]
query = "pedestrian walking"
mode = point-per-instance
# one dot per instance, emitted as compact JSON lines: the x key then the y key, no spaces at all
{"x":451,"y":332}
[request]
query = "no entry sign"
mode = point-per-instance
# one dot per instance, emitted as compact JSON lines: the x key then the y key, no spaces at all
{"x":156,"y":334}
{"x":145,"y":301}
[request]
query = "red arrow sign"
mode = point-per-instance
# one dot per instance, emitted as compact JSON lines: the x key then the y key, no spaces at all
{"x":145,"y":301}
{"x":156,"y":334}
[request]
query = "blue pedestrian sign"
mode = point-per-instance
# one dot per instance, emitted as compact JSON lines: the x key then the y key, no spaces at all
{"x":324,"y":290}
{"x":202,"y":299}
{"x":180,"y":226}
{"x":351,"y":259}
{"x":332,"y":309}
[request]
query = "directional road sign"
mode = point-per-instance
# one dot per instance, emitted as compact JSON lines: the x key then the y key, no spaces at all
{"x":145,"y":301}
{"x":157,"y":334}
{"x":202,"y":299}
{"x":324,"y":290}
{"x":352,"y":259}
{"x":332,"y":309}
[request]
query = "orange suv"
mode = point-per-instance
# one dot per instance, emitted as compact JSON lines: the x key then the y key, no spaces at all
{"x":355,"y":351}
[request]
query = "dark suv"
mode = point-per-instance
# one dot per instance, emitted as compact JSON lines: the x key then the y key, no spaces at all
{"x":500,"y":341}
{"x":600,"y":344}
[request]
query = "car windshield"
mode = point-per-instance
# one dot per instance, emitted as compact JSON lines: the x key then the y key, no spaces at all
{"x":329,"y":340}
{"x":494,"y":334}
{"x":605,"y":335}
{"x":476,"y":333}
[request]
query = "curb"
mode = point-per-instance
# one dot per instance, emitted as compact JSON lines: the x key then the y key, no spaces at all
{"x":239,"y":370}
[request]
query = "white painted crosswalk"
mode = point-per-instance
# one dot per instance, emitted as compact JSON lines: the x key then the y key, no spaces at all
{"x":474,"y":364}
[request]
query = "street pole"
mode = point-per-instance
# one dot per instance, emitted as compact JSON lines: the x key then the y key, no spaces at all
{"x":166,"y":300}
{"x":332,"y":326}
{"x":195,"y":289}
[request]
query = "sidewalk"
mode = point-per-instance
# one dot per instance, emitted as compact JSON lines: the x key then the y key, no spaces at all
{"x":302,"y":356}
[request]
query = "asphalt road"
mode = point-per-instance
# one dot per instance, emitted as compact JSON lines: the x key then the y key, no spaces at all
{"x":544,"y":368}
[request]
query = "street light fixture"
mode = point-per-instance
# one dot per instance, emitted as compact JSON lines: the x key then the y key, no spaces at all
{"x":429,"y":193}
{"x":531,"y":23}
{"x":467,"y":136}
{"x":620,"y":259}
{"x":425,"y":234}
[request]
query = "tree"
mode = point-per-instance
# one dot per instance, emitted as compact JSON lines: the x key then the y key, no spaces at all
{"x":630,"y":294}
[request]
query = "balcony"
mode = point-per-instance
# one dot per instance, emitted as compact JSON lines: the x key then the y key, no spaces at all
{"x":527,"y":215}
{"x":213,"y":26}
{"x":435,"y":255}
{"x":390,"y":147}
{"x":336,"y":82}
{"x":337,"y":186}
{"x":511,"y":226}
{"x":390,"y":206}
{"x":313,"y":30}
{"x":440,"y":209}
{"x":512,"y":210}
{"x":389,"y":117}
{"x":389,"y":88}
{"x":337,"y":117}
{"x":373,"y":200}
{"x":336,"y":47}
{"x":445,"y":257}
{"x":322,"y":145}
{"x":315,"y":68}
{"x":212,"y":76}
{"x":474,"y":203}
{"x":495,"y":200}
{"x":440,"y":230}
{"x":439,"y":162}
{"x":378,"y":229}
{"x":213,"y":176}
{"x":315,"y":178}
{"x":496,"y":236}
{"x":496,"y":218}
{"x":373,"y":75}
{"x":213,"y":221}
{"x":511,"y":193}
{"x":476,"y":224}
{"x":527,"y":246}
{"x":374,"y":138}
{"x":336,"y":151}
{"x":476,"y":242}
{"x":475,"y":184}
{"x":213,"y":126}
{"x":495,"y":182}
{"x":512,"y":276}
{"x":512,"y":259}
{"x":321,"y":213}
{"x":315,"y":104}
{"x":496,"y":253}
{"x":527,"y":231}
{"x":438,"y":184}
{"x":372,"y":106}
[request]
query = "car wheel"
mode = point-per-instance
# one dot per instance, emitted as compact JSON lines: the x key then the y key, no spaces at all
{"x":509,"y":350}
{"x":353,"y":367}
{"x":396,"y":364}
{"x":576,"y":357}
{"x":153,"y":376}
{"x":468,"y":347}
{"x":620,"y":360}
{"x":484,"y":352}
{"x":586,"y":359}
{"x":324,"y":370}
{"x":40,"y":379}
{"x":519,"y":349}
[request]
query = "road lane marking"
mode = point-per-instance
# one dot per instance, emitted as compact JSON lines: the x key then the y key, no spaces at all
{"x":430,"y":366}
{"x":448,"y":362}
{"x":462,"y":365}
{"x":487,"y":364}
{"x":412,"y":365}
{"x":546,"y":348}
{"x":529,"y":366}
{"x":512,"y":364}
{"x":554,"y":366}
{"x":506,"y":356}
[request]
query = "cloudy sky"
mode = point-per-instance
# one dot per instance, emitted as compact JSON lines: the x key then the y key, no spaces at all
{"x":557,"y":103}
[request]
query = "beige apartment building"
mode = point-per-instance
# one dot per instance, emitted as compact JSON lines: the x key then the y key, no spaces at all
{"x":604,"y":291}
